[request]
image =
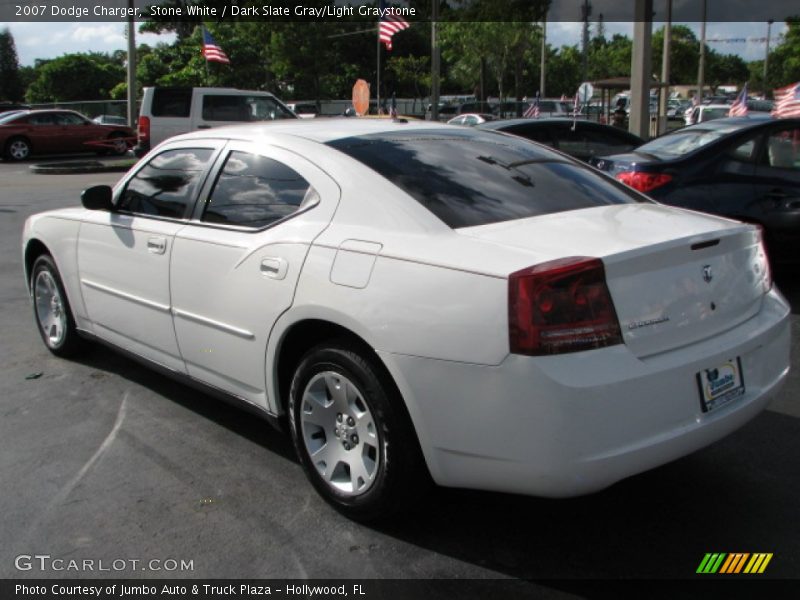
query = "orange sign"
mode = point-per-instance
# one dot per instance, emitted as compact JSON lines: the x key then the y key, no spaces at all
{"x":361,"y":97}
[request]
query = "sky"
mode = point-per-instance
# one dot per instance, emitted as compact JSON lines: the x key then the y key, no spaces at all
{"x":49,"y":40}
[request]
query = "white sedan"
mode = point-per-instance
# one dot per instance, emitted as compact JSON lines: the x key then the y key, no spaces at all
{"x":421,"y":301}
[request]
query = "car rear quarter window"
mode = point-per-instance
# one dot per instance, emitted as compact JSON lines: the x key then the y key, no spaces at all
{"x":171,"y":102}
{"x":468,"y":177}
{"x":167,"y":185}
{"x":255,"y":191}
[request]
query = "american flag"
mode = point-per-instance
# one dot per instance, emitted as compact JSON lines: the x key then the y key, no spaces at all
{"x":211,"y":51}
{"x":787,"y":101}
{"x":389,"y":25}
{"x":532,"y":111}
{"x":739,"y":106}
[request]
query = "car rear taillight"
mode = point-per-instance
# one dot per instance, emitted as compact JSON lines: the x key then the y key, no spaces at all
{"x":561,"y":306}
{"x":643,"y":182}
{"x":144,"y":129}
{"x":763,"y":261}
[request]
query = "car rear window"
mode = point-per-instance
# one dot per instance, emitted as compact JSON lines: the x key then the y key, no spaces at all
{"x":685,"y":140}
{"x":469,"y":178}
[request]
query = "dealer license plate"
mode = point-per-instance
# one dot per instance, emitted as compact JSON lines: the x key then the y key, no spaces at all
{"x":720,"y":385}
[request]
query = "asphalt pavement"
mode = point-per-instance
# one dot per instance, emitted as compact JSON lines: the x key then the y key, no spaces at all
{"x":103,"y":459}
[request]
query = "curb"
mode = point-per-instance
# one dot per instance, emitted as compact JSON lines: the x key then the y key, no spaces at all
{"x":81,"y":167}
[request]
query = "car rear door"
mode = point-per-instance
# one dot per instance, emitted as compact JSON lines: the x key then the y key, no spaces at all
{"x":777,"y":187}
{"x":124,"y":255}
{"x":235,"y":266}
{"x":44,"y":132}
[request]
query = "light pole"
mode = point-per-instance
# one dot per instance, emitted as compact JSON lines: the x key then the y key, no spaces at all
{"x":701,"y":67}
{"x":543,"y":59}
{"x":766,"y":58}
{"x":664,"y":92}
{"x":131,"y":67}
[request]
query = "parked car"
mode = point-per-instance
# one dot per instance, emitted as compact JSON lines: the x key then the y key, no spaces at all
{"x":677,"y":108}
{"x":579,"y":138}
{"x":744,"y":168}
{"x":705,"y":112}
{"x":416,"y":299}
{"x":471,"y":119}
{"x":169,"y":111}
{"x":304,"y":110}
{"x":52,"y":131}
{"x":110,"y":120}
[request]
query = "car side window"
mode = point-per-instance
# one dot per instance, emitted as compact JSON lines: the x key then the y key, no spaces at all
{"x":242,"y":108}
{"x":168,"y":102}
{"x":783,"y":149}
{"x":255,"y":191}
{"x":68,"y":119}
{"x":48,"y":119}
{"x":167,"y":184}
{"x":745,"y":151}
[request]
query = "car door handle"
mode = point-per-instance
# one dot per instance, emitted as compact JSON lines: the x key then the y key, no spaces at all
{"x":156,"y":245}
{"x":204,"y":126}
{"x":274,"y":268}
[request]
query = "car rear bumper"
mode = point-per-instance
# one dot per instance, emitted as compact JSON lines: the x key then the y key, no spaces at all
{"x":140,"y":149}
{"x":576,"y":423}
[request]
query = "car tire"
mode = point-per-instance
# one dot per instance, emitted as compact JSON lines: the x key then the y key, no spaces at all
{"x":52,"y":310}
{"x":17,"y":149}
{"x":119,"y":145}
{"x":353,"y":435}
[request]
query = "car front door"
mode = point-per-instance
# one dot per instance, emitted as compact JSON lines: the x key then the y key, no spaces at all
{"x":124,"y":255}
{"x":73,"y":132}
{"x":235,"y":266}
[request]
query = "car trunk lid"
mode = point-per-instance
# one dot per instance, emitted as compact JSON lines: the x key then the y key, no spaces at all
{"x":675,"y":277}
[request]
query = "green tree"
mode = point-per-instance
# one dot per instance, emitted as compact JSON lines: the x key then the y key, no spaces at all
{"x":726,"y":69}
{"x":784,"y":60}
{"x":502,"y":45}
{"x":75,"y":77}
{"x":683,"y":56}
{"x":11,"y":85}
{"x":412,"y":72}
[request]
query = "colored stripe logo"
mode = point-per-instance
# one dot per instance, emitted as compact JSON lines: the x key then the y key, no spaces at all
{"x":734,"y":563}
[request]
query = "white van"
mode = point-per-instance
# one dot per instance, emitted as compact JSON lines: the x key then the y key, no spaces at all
{"x":168,"y":111}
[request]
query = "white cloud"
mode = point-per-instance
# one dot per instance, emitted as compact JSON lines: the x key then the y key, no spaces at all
{"x":107,"y":34}
{"x":50,"y":40}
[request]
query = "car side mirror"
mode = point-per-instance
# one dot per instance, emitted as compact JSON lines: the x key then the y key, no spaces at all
{"x":97,"y":197}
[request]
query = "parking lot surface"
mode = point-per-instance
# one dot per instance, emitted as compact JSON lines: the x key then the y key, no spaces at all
{"x":103,"y":459}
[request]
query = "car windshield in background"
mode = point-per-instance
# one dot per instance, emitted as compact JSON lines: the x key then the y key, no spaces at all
{"x":684,"y":141}
{"x":476,"y":178}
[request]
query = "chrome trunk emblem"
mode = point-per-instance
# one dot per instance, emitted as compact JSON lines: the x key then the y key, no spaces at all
{"x":707,"y":274}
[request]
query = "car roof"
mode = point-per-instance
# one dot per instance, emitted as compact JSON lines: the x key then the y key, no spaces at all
{"x":732,"y":123}
{"x":43,"y":111}
{"x":318,"y":130}
{"x":542,"y":121}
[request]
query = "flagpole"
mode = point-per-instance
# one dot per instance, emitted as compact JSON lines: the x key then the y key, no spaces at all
{"x":205,"y":58}
{"x":378,"y":87}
